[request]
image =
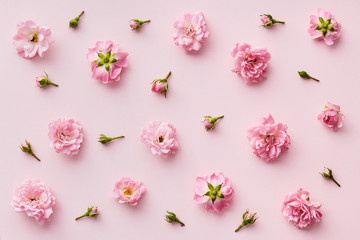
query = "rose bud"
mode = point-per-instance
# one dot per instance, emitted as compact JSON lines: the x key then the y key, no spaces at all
{"x":26,"y":147}
{"x":104,"y":139}
{"x":136,"y":23}
{"x":43,"y":81}
{"x":74,"y":22}
{"x":171,"y":217}
{"x":210,"y":122}
{"x":248,"y":218}
{"x":268,"y":20}
{"x":305,"y":75}
{"x":327,"y":173}
{"x":91,"y":212}
{"x":161,"y":85}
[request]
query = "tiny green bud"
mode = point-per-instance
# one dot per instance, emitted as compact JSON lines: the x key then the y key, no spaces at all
{"x":73,"y":23}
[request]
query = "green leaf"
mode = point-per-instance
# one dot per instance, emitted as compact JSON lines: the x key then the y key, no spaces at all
{"x":321,"y":20}
{"x":107,"y":67}
{"x":218,"y":187}
{"x":100,"y":55}
{"x":207,"y":194}
{"x":211,"y":187}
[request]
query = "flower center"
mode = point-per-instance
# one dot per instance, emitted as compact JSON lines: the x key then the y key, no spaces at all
{"x":34,"y":38}
{"x":127,"y":191}
{"x":31,"y":199}
{"x":161,"y":139}
{"x":190,"y":30}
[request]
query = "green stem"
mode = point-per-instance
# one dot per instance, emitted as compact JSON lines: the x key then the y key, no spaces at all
{"x":242,"y":225}
{"x":181,"y":223}
{"x":166,"y":78}
{"x":51,"y":83}
{"x":78,"y":17}
{"x":332,"y":178}
{"x":32,"y":154}
{"x":275,"y":21}
{"x":142,"y":22}
{"x":215,"y":119}
{"x":315,"y":79}
{"x":116,"y":138}
{"x":85,"y":215}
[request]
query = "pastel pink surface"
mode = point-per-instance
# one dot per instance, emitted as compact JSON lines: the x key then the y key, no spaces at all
{"x":201,"y":84}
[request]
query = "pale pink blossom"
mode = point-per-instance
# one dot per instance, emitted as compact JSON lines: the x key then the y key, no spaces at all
{"x":161,"y":138}
{"x":35,"y":199}
{"x":268,"y":139}
{"x":214,"y":191}
{"x":191,"y":31}
{"x":107,"y":61}
{"x":324,"y":27}
{"x":128,"y":190}
{"x":299,"y":210}
{"x":332,"y":117}
{"x":31,"y":40}
{"x":66,"y":136}
{"x":250,"y":64}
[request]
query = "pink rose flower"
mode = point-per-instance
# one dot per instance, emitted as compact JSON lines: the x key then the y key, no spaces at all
{"x":332,"y":117}
{"x":214,"y":191}
{"x":66,"y":136}
{"x":269,"y":139}
{"x":191,"y":31}
{"x":161,"y":85}
{"x":299,"y":210}
{"x":35,"y":199}
{"x":250,"y":64}
{"x":161,"y":138}
{"x":107,"y":61}
{"x":324,"y":27}
{"x":136,"y":23}
{"x":128,"y":190}
{"x":265,"y":19}
{"x":31,"y":40}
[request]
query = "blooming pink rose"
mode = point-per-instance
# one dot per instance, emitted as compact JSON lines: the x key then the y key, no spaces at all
{"x":107,"y":61}
{"x":161,"y":138}
{"x":324,"y":27}
{"x":35,"y":199}
{"x":158,"y":87}
{"x":332,"y":117}
{"x":250,"y":64}
{"x":191,"y":31}
{"x":128,"y":190}
{"x":299,"y":210}
{"x":268,"y":139}
{"x":31,"y":39}
{"x":214,"y":191}
{"x":66,"y":136}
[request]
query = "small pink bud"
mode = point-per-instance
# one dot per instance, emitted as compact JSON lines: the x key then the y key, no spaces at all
{"x":158,"y":87}
{"x":208,"y":125}
{"x":265,"y":19}
{"x":133,"y":25}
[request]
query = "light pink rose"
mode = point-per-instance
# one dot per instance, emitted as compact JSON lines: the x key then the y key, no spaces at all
{"x":107,"y":61}
{"x":128,"y":190}
{"x":207,"y":124}
{"x":324,"y":27}
{"x":158,"y":87}
{"x":161,"y":138}
{"x":332,"y":117}
{"x":66,"y":136}
{"x":299,"y":210}
{"x":214,"y":191}
{"x":35,"y":199}
{"x":31,"y":40}
{"x":268,"y":139}
{"x":191,"y":31}
{"x":250,"y":64}
{"x":265,"y":19}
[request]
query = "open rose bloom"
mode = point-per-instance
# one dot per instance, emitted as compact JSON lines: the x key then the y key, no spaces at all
{"x":191,"y":31}
{"x":214,"y":191}
{"x":161,"y":138}
{"x":324,"y":27}
{"x":107,"y":61}
{"x":31,"y":40}
{"x":35,"y":199}
{"x":299,"y":210}
{"x":66,"y":136}
{"x":332,"y":117}
{"x":128,"y":190}
{"x":250,"y":64}
{"x":268,"y":139}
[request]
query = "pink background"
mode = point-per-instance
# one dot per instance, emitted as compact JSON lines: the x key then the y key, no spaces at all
{"x":201,"y":84}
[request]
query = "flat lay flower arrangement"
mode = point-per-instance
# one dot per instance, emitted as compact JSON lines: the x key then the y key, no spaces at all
{"x":269,"y":138}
